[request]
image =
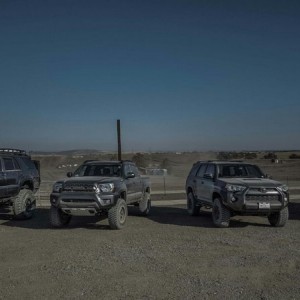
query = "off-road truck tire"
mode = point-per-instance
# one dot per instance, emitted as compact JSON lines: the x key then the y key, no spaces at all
{"x":58,"y":218}
{"x":24,"y":204}
{"x":117,"y":215}
{"x":192,"y":209}
{"x":279,"y":219}
{"x":145,"y":204}
{"x":220,"y":214}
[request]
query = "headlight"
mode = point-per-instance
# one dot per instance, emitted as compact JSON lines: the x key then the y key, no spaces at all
{"x":234,"y":188}
{"x":106,"y":187}
{"x":284,"y":188}
{"x":57,"y":187}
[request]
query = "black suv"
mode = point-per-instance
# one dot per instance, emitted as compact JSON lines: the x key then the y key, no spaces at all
{"x":19,"y":180}
{"x":235,"y":188}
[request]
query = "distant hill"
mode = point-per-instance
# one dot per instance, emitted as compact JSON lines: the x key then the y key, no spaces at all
{"x":70,"y":152}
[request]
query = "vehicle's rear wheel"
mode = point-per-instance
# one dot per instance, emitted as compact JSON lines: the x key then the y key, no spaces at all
{"x":192,"y":208}
{"x":220,"y":214}
{"x":117,"y":215}
{"x":145,"y":204}
{"x":58,"y":218}
{"x":280,"y":218}
{"x":24,"y":204}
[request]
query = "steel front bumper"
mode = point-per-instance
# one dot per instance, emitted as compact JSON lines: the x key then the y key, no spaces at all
{"x":257,"y":202}
{"x":88,"y":203}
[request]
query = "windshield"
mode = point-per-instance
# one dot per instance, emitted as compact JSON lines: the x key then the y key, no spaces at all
{"x":240,"y":170}
{"x":99,"y":170}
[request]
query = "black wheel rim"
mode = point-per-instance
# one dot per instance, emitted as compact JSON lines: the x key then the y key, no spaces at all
{"x":216,"y":211}
{"x":122,"y":214}
{"x":29,"y":205}
{"x":189,"y":203}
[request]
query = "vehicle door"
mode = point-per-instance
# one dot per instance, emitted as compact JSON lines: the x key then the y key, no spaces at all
{"x":12,"y":171}
{"x":198,"y":182}
{"x":2,"y":181}
{"x":129,"y":181}
{"x":208,"y":183}
{"x":138,"y":183}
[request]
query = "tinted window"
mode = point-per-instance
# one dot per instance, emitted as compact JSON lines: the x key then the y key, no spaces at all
{"x":98,"y":170}
{"x":240,"y":171}
{"x":26,"y":163}
{"x":8,"y":164}
{"x":135,"y":170}
{"x":0,"y":165}
{"x":17,"y":166}
{"x":127,"y":169}
{"x":194,"y":170}
{"x":210,"y":170}
{"x":201,"y":170}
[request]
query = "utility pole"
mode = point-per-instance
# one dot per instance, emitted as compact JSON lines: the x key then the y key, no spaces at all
{"x":119,"y":140}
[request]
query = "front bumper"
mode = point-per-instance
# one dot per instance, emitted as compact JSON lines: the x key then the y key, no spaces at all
{"x":88,"y":203}
{"x":257,"y":201}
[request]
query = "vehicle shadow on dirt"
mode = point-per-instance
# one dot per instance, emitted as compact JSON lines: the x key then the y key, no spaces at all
{"x":41,"y":221}
{"x":179,"y":216}
{"x":5,"y":213}
{"x":294,"y":211}
{"x":160,"y":214}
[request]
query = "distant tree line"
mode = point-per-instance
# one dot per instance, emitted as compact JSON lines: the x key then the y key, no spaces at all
{"x":236,"y":155}
{"x":270,"y":155}
{"x":140,"y":160}
{"x":294,"y":156}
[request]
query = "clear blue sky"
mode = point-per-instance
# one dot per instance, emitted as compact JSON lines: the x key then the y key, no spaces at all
{"x":181,"y":75}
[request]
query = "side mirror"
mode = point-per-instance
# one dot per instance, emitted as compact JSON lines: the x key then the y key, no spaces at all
{"x":69,"y":174}
{"x":130,"y":175}
{"x":208,"y":176}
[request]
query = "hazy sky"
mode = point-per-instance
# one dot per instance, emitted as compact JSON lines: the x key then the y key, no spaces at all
{"x":181,"y":75}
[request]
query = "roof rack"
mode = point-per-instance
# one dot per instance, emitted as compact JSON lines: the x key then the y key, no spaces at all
{"x":12,"y":151}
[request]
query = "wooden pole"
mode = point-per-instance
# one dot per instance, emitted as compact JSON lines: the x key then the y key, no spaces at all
{"x":119,"y":140}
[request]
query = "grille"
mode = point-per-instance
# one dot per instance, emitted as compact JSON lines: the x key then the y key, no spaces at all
{"x":263,"y":198}
{"x":263,"y":195}
{"x":78,"y":200}
{"x":78,"y":187}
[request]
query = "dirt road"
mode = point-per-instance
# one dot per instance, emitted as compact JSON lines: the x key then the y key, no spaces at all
{"x":169,"y":255}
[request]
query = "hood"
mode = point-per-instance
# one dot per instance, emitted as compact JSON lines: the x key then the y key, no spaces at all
{"x":252,"y":182}
{"x":93,"y":179}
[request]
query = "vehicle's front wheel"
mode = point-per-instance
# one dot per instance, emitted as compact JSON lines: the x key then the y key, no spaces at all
{"x":220,"y":214}
{"x":58,"y":218}
{"x":145,"y":204}
{"x":117,"y":215}
{"x":192,"y":208}
{"x":24,"y":204}
{"x":279,"y":219}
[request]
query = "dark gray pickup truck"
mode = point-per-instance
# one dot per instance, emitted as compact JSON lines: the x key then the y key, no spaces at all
{"x":235,"y":188}
{"x":100,"y":188}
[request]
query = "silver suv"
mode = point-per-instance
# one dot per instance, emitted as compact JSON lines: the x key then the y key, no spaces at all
{"x":235,"y":188}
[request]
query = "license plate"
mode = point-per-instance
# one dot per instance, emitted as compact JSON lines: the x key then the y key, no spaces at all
{"x":263,"y":205}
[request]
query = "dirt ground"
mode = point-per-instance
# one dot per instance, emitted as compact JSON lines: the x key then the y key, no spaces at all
{"x":168,"y":255}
